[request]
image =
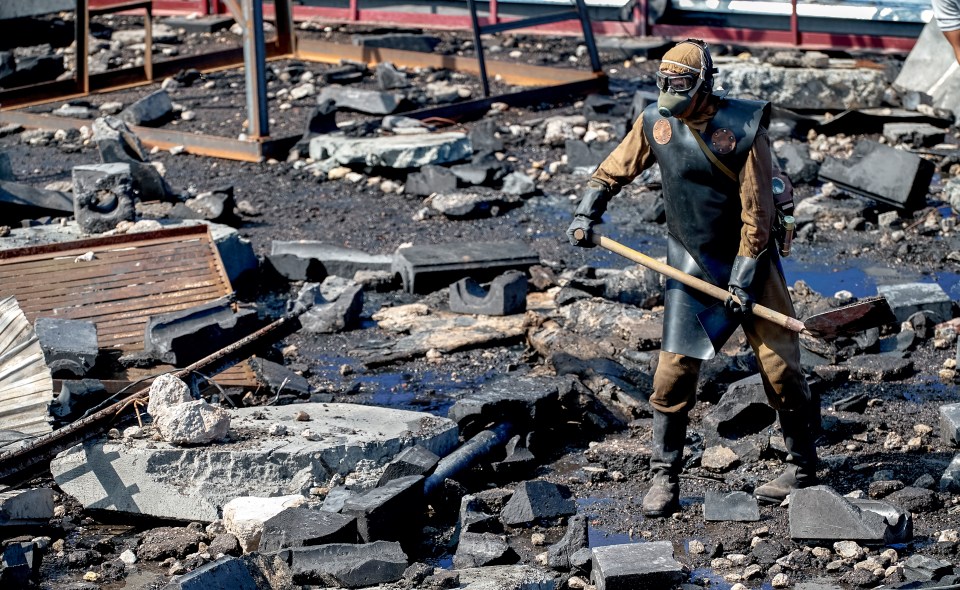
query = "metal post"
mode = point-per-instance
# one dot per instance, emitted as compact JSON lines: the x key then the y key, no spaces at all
{"x":82,"y":28}
{"x":640,"y":18}
{"x":478,"y":46}
{"x":254,"y":57}
{"x":794,"y":23}
{"x":148,"y":42}
{"x":286,"y":34}
{"x":354,"y":10}
{"x":494,"y":17}
{"x":588,"y":36}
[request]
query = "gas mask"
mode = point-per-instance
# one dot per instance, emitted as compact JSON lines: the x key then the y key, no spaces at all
{"x":677,"y":92}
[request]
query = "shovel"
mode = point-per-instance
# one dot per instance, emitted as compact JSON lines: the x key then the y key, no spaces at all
{"x":849,"y":319}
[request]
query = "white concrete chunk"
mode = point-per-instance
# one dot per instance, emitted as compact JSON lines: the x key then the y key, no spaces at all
{"x":399,"y":151}
{"x":194,"y":423}
{"x":244,"y":517}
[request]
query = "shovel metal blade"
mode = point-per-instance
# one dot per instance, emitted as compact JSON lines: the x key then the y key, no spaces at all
{"x":850,"y":319}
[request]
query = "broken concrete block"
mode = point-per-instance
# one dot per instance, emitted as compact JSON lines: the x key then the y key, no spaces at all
{"x":391,"y":512}
{"x":930,"y":71}
{"x":275,"y":378}
{"x":429,"y":180}
{"x":200,"y":24}
{"x":634,"y":285}
{"x":118,"y":145}
{"x":880,"y":367}
{"x":950,"y":480}
{"x":909,"y":298}
{"x":245,"y":516}
{"x":507,"y":295}
{"x":26,"y":507}
{"x":475,"y":517}
{"x":519,"y":184}
{"x":535,"y":501}
{"x":743,"y":410}
{"x":372,"y":102}
{"x":796,"y":162}
{"x":334,"y":305}
{"x":194,"y":483}
{"x":467,"y":205}
{"x":389,"y":78}
{"x":20,"y":201}
{"x":913,"y":134}
{"x":17,"y":563}
{"x":166,"y":391}
{"x":399,"y":151}
{"x":195,"y":422}
{"x":329,"y":259}
{"x":922,"y":568}
{"x":34,"y":70}
{"x":587,"y":156}
{"x":346,"y":566}
{"x":483,"y":549}
{"x":805,"y":88}
{"x":428,"y":268}
{"x":68,"y":345}
{"x":638,"y":565}
{"x":520,"y":401}
{"x":103,"y":196}
{"x":217,"y":206}
{"x":6,"y":168}
{"x":950,"y":424}
{"x":575,"y":539}
{"x":730,"y":507}
{"x":414,"y":460}
{"x":821,"y":513}
{"x":226,"y":573}
{"x":304,"y":527}
{"x":891,"y":176}
{"x":185,"y":336}
{"x":404,"y":41}
{"x":153,"y":109}
{"x":473,"y":174}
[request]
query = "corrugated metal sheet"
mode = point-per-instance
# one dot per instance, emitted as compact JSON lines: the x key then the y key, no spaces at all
{"x":26,"y":386}
{"x":127,"y":279}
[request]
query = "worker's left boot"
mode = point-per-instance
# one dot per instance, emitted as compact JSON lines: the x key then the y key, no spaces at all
{"x":666,"y":461}
{"x":800,"y":439}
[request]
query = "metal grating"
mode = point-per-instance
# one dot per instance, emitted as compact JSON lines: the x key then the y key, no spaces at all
{"x":129,"y":278}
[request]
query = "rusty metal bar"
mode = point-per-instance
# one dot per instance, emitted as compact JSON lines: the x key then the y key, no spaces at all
{"x":82,"y":28}
{"x":286,"y":33}
{"x":25,"y":461}
{"x":794,"y":23}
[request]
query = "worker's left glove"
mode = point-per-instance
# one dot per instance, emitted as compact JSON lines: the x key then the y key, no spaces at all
{"x":588,"y":214}
{"x":742,"y":277}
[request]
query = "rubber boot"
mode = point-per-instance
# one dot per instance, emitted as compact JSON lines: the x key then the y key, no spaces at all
{"x":801,"y":471}
{"x":669,"y":434}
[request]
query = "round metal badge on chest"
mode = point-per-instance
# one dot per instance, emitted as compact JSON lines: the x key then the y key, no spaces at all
{"x":662,"y":132}
{"x":723,"y":141}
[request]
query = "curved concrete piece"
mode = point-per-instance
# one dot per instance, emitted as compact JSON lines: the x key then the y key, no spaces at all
{"x":145,"y":477}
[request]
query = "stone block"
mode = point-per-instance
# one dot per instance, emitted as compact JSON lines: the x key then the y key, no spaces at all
{"x":334,"y":305}
{"x":475,"y":517}
{"x":103,"y":196}
{"x":913,"y":134}
{"x":922,"y":568}
{"x":884,"y":367}
{"x":506,"y":295}
{"x":68,"y":345}
{"x":26,"y":507}
{"x":20,"y":201}
{"x":633,"y":566}
{"x":304,"y":527}
{"x":425,"y":269}
{"x":17,"y":565}
{"x":429,"y":180}
{"x":950,"y":480}
{"x":22,"y":8}
{"x":743,"y":410}
{"x":521,"y":401}
{"x":226,"y":573}
{"x":950,"y":424}
{"x":519,"y":184}
{"x":194,"y":483}
{"x":821,"y":513}
{"x":414,"y":460}
{"x":34,"y":70}
{"x":389,"y":78}
{"x":342,"y":565}
{"x":404,"y":41}
{"x":151,"y":110}
{"x":587,"y":156}
{"x":201,"y":24}
{"x":925,"y":70}
{"x":730,"y":507}
{"x":538,"y":501}
{"x":483,"y":549}
{"x":804,"y":88}
{"x":574,"y":539}
{"x":505,"y":577}
{"x":391,"y":512}
{"x":117,"y":144}
{"x":399,"y":151}
{"x":245,"y":516}
{"x":195,"y":422}
{"x":909,"y":298}
{"x":468,"y":205}
{"x":275,"y":378}
{"x":876,"y":171}
{"x":372,"y":102}
{"x":329,"y":259}
{"x":185,"y":336}
{"x":796,"y":162}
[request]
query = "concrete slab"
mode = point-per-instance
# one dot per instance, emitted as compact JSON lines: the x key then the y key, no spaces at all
{"x":158,"y":479}
{"x":506,"y":577}
{"x":804,"y":88}
{"x":203,"y":24}
{"x":428,"y":268}
{"x":26,"y":507}
{"x":819,"y":512}
{"x":331,"y":259}
{"x":399,"y":151}
{"x":908,"y":298}
{"x":880,"y":172}
{"x":506,"y":295}
{"x":226,"y":573}
{"x":391,"y":512}
{"x":304,"y":527}
{"x":518,"y":400}
{"x":950,"y":480}
{"x":931,"y":69}
{"x":68,"y":345}
{"x":21,"y":201}
{"x":22,"y":8}
{"x":346,"y":566}
{"x":730,"y":507}
{"x":636,"y":565}
{"x":536,"y":501}
{"x":950,"y":424}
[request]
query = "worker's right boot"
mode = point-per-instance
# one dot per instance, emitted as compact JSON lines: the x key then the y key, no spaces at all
{"x":669,"y":434}
{"x":799,"y":436}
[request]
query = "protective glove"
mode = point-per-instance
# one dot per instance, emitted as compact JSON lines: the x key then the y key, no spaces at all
{"x":589,"y":213}
{"x":741,"y":286}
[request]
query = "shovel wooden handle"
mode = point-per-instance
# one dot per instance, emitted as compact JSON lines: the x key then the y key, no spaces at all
{"x":688,"y":280}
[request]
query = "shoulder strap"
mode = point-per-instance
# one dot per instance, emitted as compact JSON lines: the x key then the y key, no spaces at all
{"x":713,"y":158}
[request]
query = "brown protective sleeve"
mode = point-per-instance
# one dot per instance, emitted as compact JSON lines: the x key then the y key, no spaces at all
{"x":627,"y":160}
{"x":756,"y":198}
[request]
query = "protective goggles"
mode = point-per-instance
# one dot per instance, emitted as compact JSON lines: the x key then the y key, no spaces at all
{"x":676,"y":83}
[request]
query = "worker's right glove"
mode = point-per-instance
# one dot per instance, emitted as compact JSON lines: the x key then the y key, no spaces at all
{"x":741,"y":285}
{"x":589,"y":212}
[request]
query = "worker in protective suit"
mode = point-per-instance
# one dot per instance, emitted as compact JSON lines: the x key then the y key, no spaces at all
{"x":717,"y":172}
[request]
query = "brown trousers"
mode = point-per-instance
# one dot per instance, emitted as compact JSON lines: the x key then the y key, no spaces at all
{"x":777,"y":350}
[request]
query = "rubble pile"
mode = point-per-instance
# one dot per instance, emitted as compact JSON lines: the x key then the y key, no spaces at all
{"x":441,"y":393}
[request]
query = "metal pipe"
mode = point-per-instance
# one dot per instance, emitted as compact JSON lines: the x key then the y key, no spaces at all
{"x":254,"y":57}
{"x":478,"y":46}
{"x":467,"y":455}
{"x":82,"y":31}
{"x":588,"y":36}
{"x":794,"y":23}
